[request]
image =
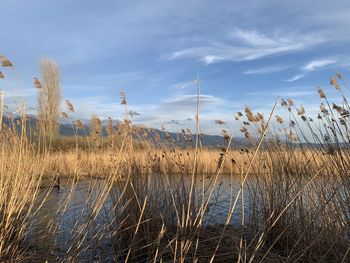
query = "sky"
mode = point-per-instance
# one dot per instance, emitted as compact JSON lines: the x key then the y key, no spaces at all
{"x":246,"y":53}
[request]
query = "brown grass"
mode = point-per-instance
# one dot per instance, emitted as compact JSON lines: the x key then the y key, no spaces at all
{"x":49,"y":100}
{"x":153,"y":201}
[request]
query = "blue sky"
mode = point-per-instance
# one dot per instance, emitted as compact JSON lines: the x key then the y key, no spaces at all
{"x":247,"y":53}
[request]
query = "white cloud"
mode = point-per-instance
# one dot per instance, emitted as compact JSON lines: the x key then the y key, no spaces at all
{"x":253,"y":38}
{"x":173,"y":112}
{"x":290,"y":92}
{"x":267,"y":70}
{"x":186,"y":103}
{"x":211,"y":59}
{"x":184,"y":85}
{"x":312,"y":66}
{"x":296,"y":77}
{"x":247,"y":45}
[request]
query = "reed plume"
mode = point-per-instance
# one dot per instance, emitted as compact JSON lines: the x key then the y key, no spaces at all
{"x":49,"y":98}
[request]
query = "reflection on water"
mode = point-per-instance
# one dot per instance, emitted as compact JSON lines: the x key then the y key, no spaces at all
{"x":60,"y":223}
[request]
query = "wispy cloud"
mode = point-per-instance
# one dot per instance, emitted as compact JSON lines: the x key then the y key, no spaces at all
{"x":312,"y":66}
{"x":296,"y":77}
{"x":316,"y":64}
{"x":185,"y":103}
{"x":254,"y":38}
{"x":184,"y":85}
{"x":179,"y":111}
{"x":291,"y":92}
{"x":267,"y":70}
{"x":147,"y":52}
{"x":247,"y":45}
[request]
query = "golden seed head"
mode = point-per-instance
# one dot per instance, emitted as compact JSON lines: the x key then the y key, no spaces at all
{"x":321,"y":93}
{"x":5,"y":62}
{"x":333,"y":82}
{"x":301,"y":110}
{"x":323,"y":108}
{"x":123,"y":98}
{"x":337,"y":108}
{"x":37,"y":83}
{"x":290,"y":102}
{"x":249,"y":114}
{"x":64,"y":115}
{"x":79,"y":124}
{"x":283,"y":103}
{"x":109,"y":128}
{"x":259,"y":117}
{"x":339,"y":75}
{"x":70,"y":106}
{"x":219,"y":122}
{"x":279,"y":119}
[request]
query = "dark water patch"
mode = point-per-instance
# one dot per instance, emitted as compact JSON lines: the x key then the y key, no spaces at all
{"x":80,"y":218}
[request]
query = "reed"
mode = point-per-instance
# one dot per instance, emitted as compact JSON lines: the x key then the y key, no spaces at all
{"x":126,"y":195}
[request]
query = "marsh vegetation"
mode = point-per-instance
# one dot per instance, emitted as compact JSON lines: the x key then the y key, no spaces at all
{"x":128,"y":195}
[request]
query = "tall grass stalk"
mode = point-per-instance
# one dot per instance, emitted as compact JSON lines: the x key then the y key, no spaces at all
{"x":135,"y":197}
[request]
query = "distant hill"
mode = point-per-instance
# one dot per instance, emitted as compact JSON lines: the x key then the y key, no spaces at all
{"x":179,"y":139}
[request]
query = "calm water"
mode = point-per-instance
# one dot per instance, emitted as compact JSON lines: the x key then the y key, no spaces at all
{"x":59,"y":220}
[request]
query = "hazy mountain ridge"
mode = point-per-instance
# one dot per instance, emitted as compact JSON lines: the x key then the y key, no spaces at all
{"x":179,"y":139}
